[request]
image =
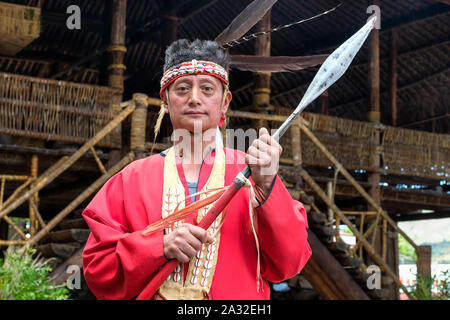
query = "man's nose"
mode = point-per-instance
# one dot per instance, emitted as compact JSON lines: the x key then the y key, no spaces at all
{"x":194,"y":97}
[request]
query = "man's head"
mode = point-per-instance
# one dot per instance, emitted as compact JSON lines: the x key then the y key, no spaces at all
{"x":194,"y":87}
{"x":183,"y":51}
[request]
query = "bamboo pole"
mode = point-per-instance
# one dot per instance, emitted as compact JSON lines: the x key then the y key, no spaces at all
{"x":384,"y":243}
{"x":16,"y":192}
{"x":15,"y":227}
{"x":361,"y":229}
{"x":97,"y":160}
{"x":374,"y":235}
{"x":2,"y":191}
{"x":38,"y":215}
{"x":11,"y":177}
{"x":138,"y":125}
{"x":355,"y":184}
{"x":12,"y":243}
{"x":296,"y":145}
{"x":154,"y":102}
{"x":32,"y":205}
{"x":56,"y":171}
{"x":358,"y":235}
{"x":83,"y":196}
{"x":369,"y":213}
{"x":330,"y":195}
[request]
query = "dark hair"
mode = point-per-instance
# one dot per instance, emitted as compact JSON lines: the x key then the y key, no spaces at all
{"x":183,"y":50}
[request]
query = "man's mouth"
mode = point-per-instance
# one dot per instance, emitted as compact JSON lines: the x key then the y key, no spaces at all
{"x":195,"y":113}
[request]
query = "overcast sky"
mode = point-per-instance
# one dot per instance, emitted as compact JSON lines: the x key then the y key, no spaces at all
{"x":431,"y":231}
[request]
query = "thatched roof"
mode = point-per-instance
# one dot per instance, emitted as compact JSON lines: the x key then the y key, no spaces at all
{"x":423,"y":51}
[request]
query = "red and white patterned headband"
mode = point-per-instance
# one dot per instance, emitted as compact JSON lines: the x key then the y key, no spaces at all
{"x":191,"y":68}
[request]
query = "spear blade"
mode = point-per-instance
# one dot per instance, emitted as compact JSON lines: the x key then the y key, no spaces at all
{"x":331,"y":70}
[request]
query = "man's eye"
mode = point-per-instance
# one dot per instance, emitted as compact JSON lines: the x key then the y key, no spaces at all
{"x":182,"y":89}
{"x":208,"y":89}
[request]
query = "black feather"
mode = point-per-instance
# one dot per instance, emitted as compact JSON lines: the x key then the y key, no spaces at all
{"x":275,"y":63}
{"x":245,"y":20}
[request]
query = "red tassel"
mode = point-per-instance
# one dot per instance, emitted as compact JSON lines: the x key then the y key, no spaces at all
{"x":222,"y":119}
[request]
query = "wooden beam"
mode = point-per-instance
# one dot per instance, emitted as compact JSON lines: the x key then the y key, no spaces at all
{"x":394,"y":76}
{"x":261,"y":91}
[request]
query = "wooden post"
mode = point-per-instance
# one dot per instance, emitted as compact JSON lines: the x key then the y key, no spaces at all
{"x":374,"y":76}
{"x":34,"y":222}
{"x":170,"y":34}
{"x":116,"y":70}
{"x":374,"y":116}
{"x":424,"y":263}
{"x":4,"y":230}
{"x":138,"y":125}
{"x":261,"y":93}
{"x":392,"y":259}
{"x":330,"y":196}
{"x":117,"y":48}
{"x":296,"y":145}
{"x":394,"y":76}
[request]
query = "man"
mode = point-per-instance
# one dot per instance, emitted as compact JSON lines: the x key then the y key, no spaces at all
{"x":223,"y":261}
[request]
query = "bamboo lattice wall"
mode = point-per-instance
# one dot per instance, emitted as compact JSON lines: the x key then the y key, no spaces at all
{"x":416,"y":153}
{"x":403,"y":152}
{"x":54,"y":110}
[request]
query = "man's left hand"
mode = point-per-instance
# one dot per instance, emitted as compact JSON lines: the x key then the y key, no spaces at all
{"x":263,"y":157}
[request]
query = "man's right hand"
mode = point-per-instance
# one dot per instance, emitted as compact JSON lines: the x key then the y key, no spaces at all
{"x":184,"y":242}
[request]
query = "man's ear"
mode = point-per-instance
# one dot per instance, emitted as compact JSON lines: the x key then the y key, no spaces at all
{"x":227,"y":102}
{"x":165,"y":98}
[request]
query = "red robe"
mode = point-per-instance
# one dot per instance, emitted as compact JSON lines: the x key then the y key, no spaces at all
{"x":118,"y":261}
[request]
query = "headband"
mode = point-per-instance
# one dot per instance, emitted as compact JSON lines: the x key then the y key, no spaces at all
{"x":191,"y":68}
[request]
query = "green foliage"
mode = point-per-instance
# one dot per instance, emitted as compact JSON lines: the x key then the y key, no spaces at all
{"x":407,"y":254}
{"x":422,"y":290}
{"x":23,"y":277}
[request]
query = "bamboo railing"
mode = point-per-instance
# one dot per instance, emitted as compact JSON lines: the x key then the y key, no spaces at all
{"x":33,"y":184}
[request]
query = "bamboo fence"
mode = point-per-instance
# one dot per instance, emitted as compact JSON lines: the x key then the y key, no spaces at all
{"x":56,"y":110}
{"x":19,"y":26}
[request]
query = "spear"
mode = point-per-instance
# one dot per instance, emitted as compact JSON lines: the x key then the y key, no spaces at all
{"x":330,"y":71}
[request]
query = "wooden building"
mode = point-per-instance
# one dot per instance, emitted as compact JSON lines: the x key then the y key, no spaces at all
{"x":372,"y":150}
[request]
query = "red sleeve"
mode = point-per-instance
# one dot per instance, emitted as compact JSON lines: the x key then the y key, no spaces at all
{"x":282,"y":235}
{"x":117,"y":263}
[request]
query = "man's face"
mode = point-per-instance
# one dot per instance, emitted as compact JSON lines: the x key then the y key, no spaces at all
{"x":196,"y":99}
